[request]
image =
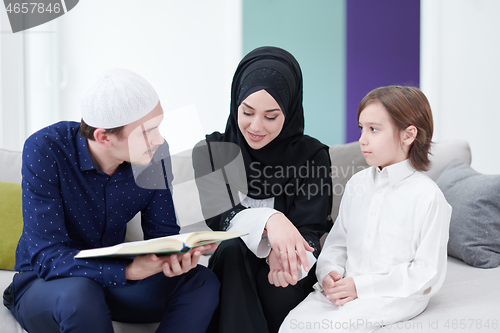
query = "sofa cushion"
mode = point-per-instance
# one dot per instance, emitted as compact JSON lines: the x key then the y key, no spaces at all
{"x":443,"y":152}
{"x":11,"y":223}
{"x":347,"y":159}
{"x":475,"y":219}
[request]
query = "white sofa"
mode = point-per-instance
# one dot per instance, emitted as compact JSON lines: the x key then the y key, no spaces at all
{"x":468,"y":300}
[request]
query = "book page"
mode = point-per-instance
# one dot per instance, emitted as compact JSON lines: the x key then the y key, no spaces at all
{"x":161,"y":246}
{"x":199,"y":238}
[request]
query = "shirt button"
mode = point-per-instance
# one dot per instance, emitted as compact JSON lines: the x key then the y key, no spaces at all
{"x":373,"y":213}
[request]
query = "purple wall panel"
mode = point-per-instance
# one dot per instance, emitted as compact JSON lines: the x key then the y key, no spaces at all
{"x":383,"y":45}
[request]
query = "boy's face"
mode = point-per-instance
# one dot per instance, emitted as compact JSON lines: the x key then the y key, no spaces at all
{"x":380,"y":141}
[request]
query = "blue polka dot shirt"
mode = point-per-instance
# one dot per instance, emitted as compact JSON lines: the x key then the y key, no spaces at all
{"x":69,"y":205}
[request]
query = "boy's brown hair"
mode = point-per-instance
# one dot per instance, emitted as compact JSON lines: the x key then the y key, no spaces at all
{"x":88,"y":131}
{"x":407,"y":106}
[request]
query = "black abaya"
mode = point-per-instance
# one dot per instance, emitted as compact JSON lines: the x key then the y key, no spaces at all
{"x":248,"y":302}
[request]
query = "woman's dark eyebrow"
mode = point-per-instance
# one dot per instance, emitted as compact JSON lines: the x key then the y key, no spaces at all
{"x":248,"y":106}
{"x":271,"y":110}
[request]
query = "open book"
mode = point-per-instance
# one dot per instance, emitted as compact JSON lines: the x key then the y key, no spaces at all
{"x":161,"y":246}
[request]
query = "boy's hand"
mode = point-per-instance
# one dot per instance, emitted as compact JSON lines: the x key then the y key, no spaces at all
{"x":277,"y":275}
{"x":329,"y":282}
{"x":337,"y":290}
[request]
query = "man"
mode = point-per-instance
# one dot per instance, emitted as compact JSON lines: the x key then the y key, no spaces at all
{"x":79,"y":191}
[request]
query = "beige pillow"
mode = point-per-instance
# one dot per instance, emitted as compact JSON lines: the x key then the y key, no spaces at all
{"x":347,"y":159}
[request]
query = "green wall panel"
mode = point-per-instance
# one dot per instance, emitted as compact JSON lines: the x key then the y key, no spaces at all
{"x":314,"y":32}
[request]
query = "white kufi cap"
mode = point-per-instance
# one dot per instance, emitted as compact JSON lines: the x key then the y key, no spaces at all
{"x":117,"y":97}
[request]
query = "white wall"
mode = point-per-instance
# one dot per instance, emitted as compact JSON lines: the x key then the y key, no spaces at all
{"x":12,"y":115}
{"x":187,"y":49}
{"x":460,"y":74}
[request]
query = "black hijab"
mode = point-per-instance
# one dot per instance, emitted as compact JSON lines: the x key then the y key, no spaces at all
{"x":276,"y":71}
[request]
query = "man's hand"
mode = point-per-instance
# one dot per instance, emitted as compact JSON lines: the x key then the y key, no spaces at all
{"x":337,"y":290}
{"x":176,"y":264}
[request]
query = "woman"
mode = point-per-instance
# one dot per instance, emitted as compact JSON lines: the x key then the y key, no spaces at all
{"x":282,"y":199}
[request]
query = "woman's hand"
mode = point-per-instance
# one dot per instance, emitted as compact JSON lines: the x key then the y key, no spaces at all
{"x":337,"y":290}
{"x":288,"y":244}
{"x":176,"y":264}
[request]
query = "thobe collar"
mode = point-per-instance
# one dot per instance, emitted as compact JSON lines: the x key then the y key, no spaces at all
{"x":395,"y":173}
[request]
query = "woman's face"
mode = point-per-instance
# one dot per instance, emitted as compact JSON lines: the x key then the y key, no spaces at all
{"x":260,"y":119}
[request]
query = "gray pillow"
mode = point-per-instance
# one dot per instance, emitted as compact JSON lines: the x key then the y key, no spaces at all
{"x":475,"y":220}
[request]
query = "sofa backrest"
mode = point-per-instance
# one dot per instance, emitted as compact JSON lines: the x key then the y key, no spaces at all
{"x":10,"y":166}
{"x":347,"y":159}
